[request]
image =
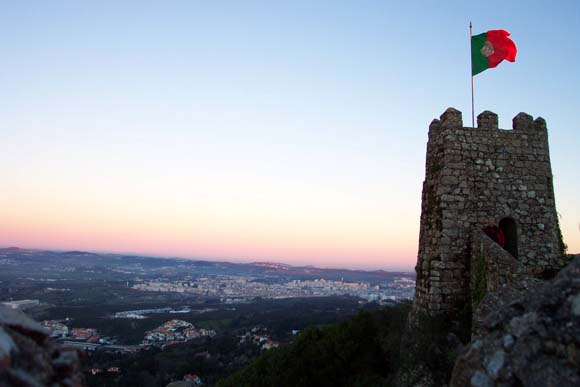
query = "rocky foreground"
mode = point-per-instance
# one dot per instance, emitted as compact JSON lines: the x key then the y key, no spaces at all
{"x":532,"y":340}
{"x":29,"y":358}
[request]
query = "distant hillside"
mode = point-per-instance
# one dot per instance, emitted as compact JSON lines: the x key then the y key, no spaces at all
{"x":81,"y":253}
{"x":124,"y":267}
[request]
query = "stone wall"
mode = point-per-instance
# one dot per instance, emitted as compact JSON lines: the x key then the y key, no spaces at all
{"x":492,"y":267}
{"x":494,"y":272}
{"x":474,"y":178}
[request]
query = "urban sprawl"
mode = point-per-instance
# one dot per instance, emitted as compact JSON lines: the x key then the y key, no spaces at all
{"x":239,"y":289}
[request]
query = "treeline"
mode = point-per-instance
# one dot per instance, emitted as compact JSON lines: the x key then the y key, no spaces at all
{"x":363,"y":351}
{"x":213,"y":359}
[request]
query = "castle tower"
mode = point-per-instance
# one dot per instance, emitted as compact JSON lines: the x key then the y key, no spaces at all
{"x":477,"y":178}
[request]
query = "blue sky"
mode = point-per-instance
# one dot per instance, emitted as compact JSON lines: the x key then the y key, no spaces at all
{"x":285,"y":131}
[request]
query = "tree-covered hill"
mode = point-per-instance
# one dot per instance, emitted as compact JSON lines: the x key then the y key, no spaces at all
{"x":363,"y":351}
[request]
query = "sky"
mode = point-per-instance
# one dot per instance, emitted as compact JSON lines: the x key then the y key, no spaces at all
{"x":284,"y":131}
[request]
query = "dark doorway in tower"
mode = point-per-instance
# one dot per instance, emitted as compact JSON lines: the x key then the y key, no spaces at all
{"x":510,"y":231}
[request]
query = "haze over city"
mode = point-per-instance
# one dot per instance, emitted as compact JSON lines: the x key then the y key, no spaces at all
{"x":252,"y":131}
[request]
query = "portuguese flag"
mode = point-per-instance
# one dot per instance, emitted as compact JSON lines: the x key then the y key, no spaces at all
{"x":490,"y":48}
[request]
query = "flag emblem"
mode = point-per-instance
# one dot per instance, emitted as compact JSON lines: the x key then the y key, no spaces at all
{"x":487,"y":49}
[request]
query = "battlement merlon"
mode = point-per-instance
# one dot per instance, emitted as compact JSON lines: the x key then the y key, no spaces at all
{"x":452,"y":118}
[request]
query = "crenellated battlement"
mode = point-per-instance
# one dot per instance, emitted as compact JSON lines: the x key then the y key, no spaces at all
{"x":477,"y":178}
{"x":452,"y":118}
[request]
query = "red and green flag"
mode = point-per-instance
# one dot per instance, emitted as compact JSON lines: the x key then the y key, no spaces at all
{"x":490,"y":48}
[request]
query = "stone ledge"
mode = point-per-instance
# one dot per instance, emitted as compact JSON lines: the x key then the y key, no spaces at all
{"x":528,"y":338}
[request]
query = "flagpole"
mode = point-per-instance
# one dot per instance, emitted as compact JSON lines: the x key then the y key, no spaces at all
{"x":471,"y":61}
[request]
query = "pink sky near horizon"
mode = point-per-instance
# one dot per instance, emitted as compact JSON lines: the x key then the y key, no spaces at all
{"x":334,"y":254}
{"x":242,"y":236}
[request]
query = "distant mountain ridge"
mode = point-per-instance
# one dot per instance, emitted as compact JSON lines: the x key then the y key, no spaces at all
{"x":74,"y":252}
{"x":168,"y":266}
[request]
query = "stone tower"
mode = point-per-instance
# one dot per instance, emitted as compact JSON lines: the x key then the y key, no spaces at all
{"x":477,"y":178}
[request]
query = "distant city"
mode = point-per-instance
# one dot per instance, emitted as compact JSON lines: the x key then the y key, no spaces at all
{"x":118,"y":307}
{"x":233,"y":289}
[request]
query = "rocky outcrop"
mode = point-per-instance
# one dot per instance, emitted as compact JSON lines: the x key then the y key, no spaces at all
{"x":28,"y":357}
{"x":530,"y":338}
